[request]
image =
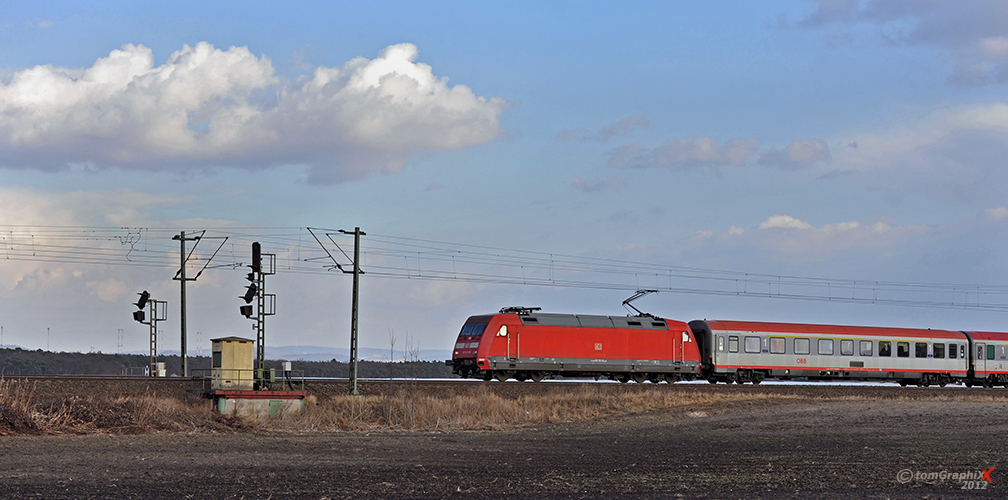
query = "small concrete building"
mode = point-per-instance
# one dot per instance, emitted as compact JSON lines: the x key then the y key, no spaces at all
{"x":232,"y":366}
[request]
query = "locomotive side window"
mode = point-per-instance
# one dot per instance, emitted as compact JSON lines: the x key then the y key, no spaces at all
{"x":752,"y":345}
{"x":777,"y":345}
{"x":939,"y":351}
{"x":826,"y":347}
{"x":846,"y":347}
{"x":952,"y":351}
{"x":720,"y":343}
{"x":990,"y":352}
{"x":885,"y":348}
{"x":866,"y":348}
{"x":903,"y":349}
{"x":733,"y":344}
{"x":801,"y":346}
{"x":920,"y":349}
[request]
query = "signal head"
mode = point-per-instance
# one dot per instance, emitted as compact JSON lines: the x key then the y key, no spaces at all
{"x":245,"y":311}
{"x":144,"y":296}
{"x":256,"y":256}
{"x":139,"y":316}
{"x":250,"y":293}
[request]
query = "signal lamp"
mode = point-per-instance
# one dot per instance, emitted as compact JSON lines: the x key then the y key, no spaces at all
{"x":245,"y":311}
{"x":250,"y":293}
{"x":144,"y":296}
{"x":256,"y":256}
{"x":139,"y":316}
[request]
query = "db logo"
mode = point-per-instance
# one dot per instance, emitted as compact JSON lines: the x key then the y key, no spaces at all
{"x":598,"y":346}
{"x":802,"y":361}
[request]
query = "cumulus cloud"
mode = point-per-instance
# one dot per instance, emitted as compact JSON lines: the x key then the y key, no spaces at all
{"x":622,"y":128}
{"x":210,"y":107}
{"x":791,"y":235}
{"x":684,"y":153}
{"x":589,"y":185}
{"x":973,"y":35}
{"x":797,"y":155}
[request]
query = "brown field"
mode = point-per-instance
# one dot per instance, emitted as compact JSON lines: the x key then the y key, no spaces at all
{"x":78,"y":439}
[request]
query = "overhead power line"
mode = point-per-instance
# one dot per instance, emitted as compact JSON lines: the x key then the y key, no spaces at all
{"x":298,"y":251}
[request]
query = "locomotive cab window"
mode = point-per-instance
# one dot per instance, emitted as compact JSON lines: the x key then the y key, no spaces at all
{"x":777,"y":345}
{"x":952,"y":351}
{"x":801,"y":346}
{"x":752,"y":345}
{"x":866,"y":348}
{"x":733,"y":344}
{"x":846,"y":347}
{"x":939,"y":351}
{"x":903,"y":349}
{"x":920,"y":349}
{"x":826,"y":347}
{"x":885,"y":348}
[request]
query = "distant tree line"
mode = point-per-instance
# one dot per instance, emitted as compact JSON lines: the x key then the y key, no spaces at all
{"x":25,"y":362}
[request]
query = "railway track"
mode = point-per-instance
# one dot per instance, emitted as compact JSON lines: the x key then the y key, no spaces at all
{"x":83,"y":385}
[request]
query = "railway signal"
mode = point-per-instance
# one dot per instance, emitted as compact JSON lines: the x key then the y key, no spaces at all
{"x":265,"y":305}
{"x":158,"y":310}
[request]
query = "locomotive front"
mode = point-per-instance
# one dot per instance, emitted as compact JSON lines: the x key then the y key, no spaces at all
{"x":463,"y":360}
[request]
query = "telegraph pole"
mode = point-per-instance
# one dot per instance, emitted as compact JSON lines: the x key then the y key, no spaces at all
{"x":353,"y":309}
{"x":181,"y":237}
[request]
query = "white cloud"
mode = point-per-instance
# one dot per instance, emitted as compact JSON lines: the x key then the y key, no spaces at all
{"x":684,"y":153}
{"x":206,"y":106}
{"x":784,"y":222}
{"x":794,"y":236}
{"x":734,"y":231}
{"x":958,"y":152}
{"x":996,"y":213}
{"x":797,"y":155}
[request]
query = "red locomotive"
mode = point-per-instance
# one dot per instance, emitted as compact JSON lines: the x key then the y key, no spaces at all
{"x":524,"y":344}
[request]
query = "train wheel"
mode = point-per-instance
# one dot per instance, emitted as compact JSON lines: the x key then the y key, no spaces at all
{"x":623,"y":378}
{"x":501,"y":376}
{"x":537,"y":376}
{"x":712,"y":380}
{"x":639,"y":377}
{"x":903,"y":383}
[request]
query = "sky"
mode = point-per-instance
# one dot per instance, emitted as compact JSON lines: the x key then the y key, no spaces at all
{"x":846,"y":142}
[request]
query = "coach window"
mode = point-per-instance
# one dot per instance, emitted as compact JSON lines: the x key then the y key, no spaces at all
{"x":752,"y":345}
{"x":952,"y":351}
{"x":846,"y":347}
{"x":920,"y":349}
{"x":720,"y":343}
{"x":777,"y":345}
{"x":826,"y":347}
{"x":801,"y":346}
{"x":733,"y":344}
{"x":939,"y":351}
{"x":885,"y":348}
{"x":990,"y":352}
{"x":866,"y":348}
{"x":903,"y":349}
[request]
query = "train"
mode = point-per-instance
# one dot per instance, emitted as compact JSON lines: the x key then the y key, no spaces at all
{"x":522,"y":343}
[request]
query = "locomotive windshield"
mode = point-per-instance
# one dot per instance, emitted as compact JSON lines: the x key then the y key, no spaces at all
{"x":473,"y":329}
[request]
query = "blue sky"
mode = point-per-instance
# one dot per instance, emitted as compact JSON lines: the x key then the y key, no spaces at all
{"x":835,"y":139}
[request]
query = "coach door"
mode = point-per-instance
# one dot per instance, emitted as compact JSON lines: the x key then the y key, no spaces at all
{"x":980,"y":362}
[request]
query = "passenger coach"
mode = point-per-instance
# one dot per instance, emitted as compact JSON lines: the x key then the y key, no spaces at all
{"x":741,"y":351}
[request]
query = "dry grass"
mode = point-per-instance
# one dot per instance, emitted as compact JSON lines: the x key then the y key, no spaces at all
{"x":24,"y":413}
{"x":481,"y":409}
